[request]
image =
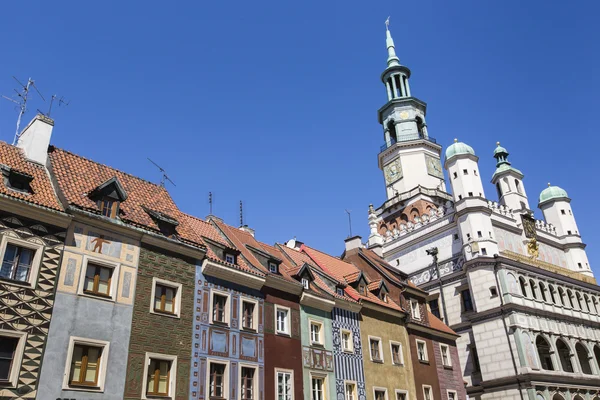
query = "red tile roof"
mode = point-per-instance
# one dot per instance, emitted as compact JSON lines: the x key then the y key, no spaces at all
{"x":437,"y":324}
{"x":43,"y":191}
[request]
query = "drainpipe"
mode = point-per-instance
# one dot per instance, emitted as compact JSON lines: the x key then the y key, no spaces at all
{"x":433,"y":252}
{"x":506,"y":329}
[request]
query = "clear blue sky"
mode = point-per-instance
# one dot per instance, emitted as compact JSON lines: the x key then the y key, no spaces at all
{"x":274,"y":102}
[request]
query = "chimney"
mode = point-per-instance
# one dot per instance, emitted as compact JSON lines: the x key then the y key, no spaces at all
{"x":246,"y":228}
{"x":353,"y":242}
{"x":35,"y":139}
{"x":377,"y":249}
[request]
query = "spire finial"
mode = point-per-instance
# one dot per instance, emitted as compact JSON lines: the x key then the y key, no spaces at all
{"x":548,"y":184}
{"x":455,"y":140}
{"x":392,"y":60}
{"x":497,"y":143}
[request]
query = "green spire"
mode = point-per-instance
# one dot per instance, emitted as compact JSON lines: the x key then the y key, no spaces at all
{"x":393,"y":60}
{"x":501,"y":155}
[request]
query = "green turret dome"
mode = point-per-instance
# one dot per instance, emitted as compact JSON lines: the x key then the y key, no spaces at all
{"x":458,"y":148}
{"x":553,"y":193}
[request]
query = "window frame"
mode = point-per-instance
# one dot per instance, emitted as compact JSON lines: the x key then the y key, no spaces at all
{"x":381,"y":359}
{"x":288,"y":372}
{"x":380,"y":389}
{"x":430,"y":390}
{"x":305,"y":283}
{"x":254,"y":326}
{"x":288,"y":322}
{"x":172,"y":374}
{"x":412,"y":309}
{"x":114,"y":279}
{"x":255,"y":388}
{"x":225,"y":377}
{"x":448,"y":391}
{"x":325,"y":388}
{"x":350,"y":348}
{"x":213,"y":293}
{"x":273,"y":268}
{"x":36,"y":261}
{"x":15,"y":366}
{"x":232,"y":257}
{"x":417,"y":341}
{"x":401,"y":391}
{"x":99,"y":388}
{"x":442,"y":346}
{"x":401,"y":352}
{"x":354,"y":389}
{"x":312,"y":322}
{"x":177,"y":299}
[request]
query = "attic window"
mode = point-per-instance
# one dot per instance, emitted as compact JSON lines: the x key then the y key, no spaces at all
{"x":340,"y":291}
{"x":383,"y":297}
{"x":108,"y":197}
{"x":108,"y":207}
{"x":16,"y":180}
{"x":305,"y":283}
{"x":273,"y":268}
{"x":361,"y":289}
{"x":165,"y":223}
{"x":229,"y":258}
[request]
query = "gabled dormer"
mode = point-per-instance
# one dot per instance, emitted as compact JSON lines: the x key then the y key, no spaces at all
{"x":166,"y":224}
{"x":270,"y":262}
{"x":305,"y":276}
{"x":16,"y":180}
{"x":108,"y":197}
{"x":358,"y":281}
{"x":379,"y":289}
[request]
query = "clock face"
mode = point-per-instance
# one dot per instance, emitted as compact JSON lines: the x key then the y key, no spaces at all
{"x":393,"y":171}
{"x":434,"y":166}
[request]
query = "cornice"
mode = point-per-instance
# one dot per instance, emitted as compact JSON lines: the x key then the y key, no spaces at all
{"x":34,"y":211}
{"x":431,"y":331}
{"x":283,"y":285}
{"x":317,"y":302}
{"x":229,"y":274}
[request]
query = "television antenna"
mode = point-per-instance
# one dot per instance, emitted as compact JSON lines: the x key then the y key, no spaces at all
{"x":349,"y":221}
{"x":21,"y":102}
{"x":61,"y":102}
{"x":165,"y":177}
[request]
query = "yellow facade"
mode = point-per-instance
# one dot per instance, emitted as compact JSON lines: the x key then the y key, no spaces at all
{"x":386,"y":375}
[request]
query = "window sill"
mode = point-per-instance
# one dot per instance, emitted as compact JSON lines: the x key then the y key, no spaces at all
{"x":424,"y":362}
{"x":25,"y":284}
{"x":97,"y":297}
{"x":398,"y":364}
{"x":165,"y":314}
{"x":285,"y":334}
{"x":316,"y":344}
{"x":378,"y":361}
{"x":348,"y":351}
{"x":449,"y":367}
{"x":84,"y":388}
{"x":249,"y":330}
{"x":219,"y":323}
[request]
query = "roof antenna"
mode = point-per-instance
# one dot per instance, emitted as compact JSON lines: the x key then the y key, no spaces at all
{"x":165,"y":177}
{"x":21,"y":102}
{"x":241,"y":213}
{"x":210,"y":203}
{"x":61,"y":102}
{"x":349,"y":221}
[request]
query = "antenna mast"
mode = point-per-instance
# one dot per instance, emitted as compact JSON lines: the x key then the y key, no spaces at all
{"x":22,"y":102}
{"x":61,"y":101}
{"x":210,"y":203}
{"x":165,"y":177}
{"x":349,"y":221}
{"x":241,"y":213}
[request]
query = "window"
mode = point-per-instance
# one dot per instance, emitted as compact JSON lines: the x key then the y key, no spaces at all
{"x":340,"y":291}
{"x":282,"y":320}
{"x":564,"y":355}
{"x":434,"y":306}
{"x":284,"y":385}
{"x":445,"y":353}
{"x":316,"y":329}
{"x":305,"y":283}
{"x":350,"y":391}
{"x":542,"y":288}
{"x":532,"y":286}
{"x":108,"y":207}
{"x":460,"y":197}
{"x":318,"y":388}
{"x":12,"y":344}
{"x":470,"y":194}
{"x":216,"y":381}
{"x":361,"y":289}
{"x":467,"y":303}
{"x":86,"y":364}
{"x":220,"y":312}
{"x":455,"y":175}
{"x":249,"y":309}
{"x":421,"y":350}
{"x":465,"y":172}
{"x":493,"y":291}
{"x":543,"y":349}
{"x":247,"y":383}
{"x":416,"y":312}
{"x":229,"y":258}
{"x":483,"y":251}
{"x":452,"y":395}
{"x":455,"y":236}
{"x":475,"y":172}
{"x":579,"y":265}
{"x":273,"y":268}
{"x":158,"y":377}
{"x":401,"y":395}
{"x":166,"y":297}
{"x":397,"y":356}
{"x":563,"y":212}
{"x":17,"y":263}
{"x":375,"y":349}
{"x":380,"y":394}
{"x":475,"y":359}
{"x":346,"y":337}
{"x":427,"y":393}
{"x":479,"y":235}
{"x":568,"y":232}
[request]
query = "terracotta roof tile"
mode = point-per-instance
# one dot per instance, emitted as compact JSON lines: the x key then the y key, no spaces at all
{"x":353,"y":277}
{"x":437,"y":324}
{"x":43,"y":191}
{"x":332,"y":265}
{"x":374,"y":285}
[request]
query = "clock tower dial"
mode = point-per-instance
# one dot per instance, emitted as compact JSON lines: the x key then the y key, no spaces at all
{"x":434,"y":166}
{"x":393,"y":171}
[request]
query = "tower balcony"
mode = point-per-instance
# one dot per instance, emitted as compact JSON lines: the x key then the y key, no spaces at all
{"x":407,"y":138}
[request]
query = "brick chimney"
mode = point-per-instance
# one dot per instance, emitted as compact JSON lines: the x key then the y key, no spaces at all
{"x":35,"y":139}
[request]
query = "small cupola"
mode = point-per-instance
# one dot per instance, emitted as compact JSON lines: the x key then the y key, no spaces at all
{"x":108,"y":197}
{"x":16,"y":180}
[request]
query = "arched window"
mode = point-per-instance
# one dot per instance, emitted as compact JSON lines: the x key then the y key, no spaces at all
{"x":595,"y":304}
{"x":551,"y":290}
{"x":543,"y":291}
{"x":532,"y":288}
{"x":523,"y":288}
{"x":539,"y":396}
{"x":580,"y":301}
{"x":507,"y":184}
{"x":582,"y":356}
{"x":570,"y":298}
{"x":577,"y":397}
{"x":561,"y":296}
{"x":419,"y":122}
{"x":392,"y":130}
{"x":586,"y":302}
{"x":518,"y":186}
{"x":564,"y":355}
{"x":499,"y":189}
{"x":597,"y":353}
{"x":557,"y":397}
{"x":543,"y":349}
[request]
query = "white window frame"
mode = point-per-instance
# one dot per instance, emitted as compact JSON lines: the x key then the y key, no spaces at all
{"x":214,"y":292}
{"x":73,"y":340}
{"x":442,"y":346}
{"x":288,"y":322}
{"x":417,"y":341}
{"x":284,"y":371}
{"x":305,"y":283}
{"x":354,"y":391}
{"x":448,"y":391}
{"x":380,"y":348}
{"x":177,"y":302}
{"x":35,"y":262}
{"x":415,"y":312}
{"x":273,"y":268}
{"x":400,"y":391}
{"x":254,"y":313}
{"x":15,"y":367}
{"x":225,"y":376}
{"x":114,"y":280}
{"x":430,"y":392}
{"x":392,"y":352}
{"x":255,"y":389}
{"x":323,"y":377}
{"x":312,"y":322}
{"x":232,"y":257}
{"x":172,"y":373}
{"x":380,"y":389}
{"x":350,"y":349}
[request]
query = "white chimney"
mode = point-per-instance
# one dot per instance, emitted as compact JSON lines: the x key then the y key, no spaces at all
{"x":353,"y":242}
{"x":247,"y":229}
{"x":35,"y":139}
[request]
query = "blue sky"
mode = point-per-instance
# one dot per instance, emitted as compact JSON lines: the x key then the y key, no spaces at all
{"x":274,"y":102}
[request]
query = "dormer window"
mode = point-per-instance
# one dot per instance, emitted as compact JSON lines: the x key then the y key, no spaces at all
{"x":166,"y":224}
{"x":229,"y":258}
{"x":273,"y":268}
{"x":305,"y":283}
{"x":108,"y":207}
{"x":340,"y":291}
{"x":361,"y":289}
{"x":108,"y":197}
{"x":17,"y":180}
{"x":383,"y":297}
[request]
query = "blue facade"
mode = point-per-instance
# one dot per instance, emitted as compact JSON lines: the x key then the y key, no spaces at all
{"x":348,"y":364}
{"x":228,"y":345}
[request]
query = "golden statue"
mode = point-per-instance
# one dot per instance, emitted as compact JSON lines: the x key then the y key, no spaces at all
{"x":533,"y":248}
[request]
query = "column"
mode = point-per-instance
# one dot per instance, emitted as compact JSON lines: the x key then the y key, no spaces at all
{"x":388,"y":139}
{"x":407,"y":88}
{"x":395,"y":89}
{"x":402,"y":91}
{"x":389,"y":90}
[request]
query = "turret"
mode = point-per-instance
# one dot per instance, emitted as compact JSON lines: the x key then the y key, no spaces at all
{"x":509,"y":182}
{"x":463,"y":171}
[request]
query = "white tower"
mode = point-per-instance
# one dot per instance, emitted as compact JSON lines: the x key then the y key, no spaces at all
{"x":463,"y":171}
{"x":509,"y":182}
{"x":409,"y":157}
{"x":556,"y":207}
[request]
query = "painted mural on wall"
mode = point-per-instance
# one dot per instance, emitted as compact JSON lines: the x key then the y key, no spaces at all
{"x":516,"y":244}
{"x":445,"y":268}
